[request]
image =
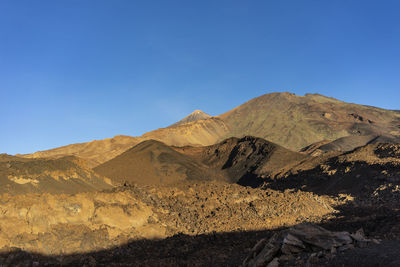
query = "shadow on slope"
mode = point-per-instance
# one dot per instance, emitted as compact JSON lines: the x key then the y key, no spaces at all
{"x":370,"y":170}
{"x":231,"y":248}
{"x":245,"y":161}
{"x":153,"y":162}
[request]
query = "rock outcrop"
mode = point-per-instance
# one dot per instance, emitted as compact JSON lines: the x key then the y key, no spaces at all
{"x":306,"y":238}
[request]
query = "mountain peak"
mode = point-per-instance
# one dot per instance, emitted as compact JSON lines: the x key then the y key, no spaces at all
{"x":194,"y":116}
{"x":199,"y":113}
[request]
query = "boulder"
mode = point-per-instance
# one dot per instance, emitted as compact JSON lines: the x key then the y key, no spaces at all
{"x":302,"y":238}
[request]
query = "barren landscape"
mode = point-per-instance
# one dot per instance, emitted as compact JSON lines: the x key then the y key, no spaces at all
{"x":250,"y":187}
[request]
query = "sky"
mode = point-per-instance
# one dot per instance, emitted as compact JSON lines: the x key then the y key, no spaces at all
{"x":79,"y":70}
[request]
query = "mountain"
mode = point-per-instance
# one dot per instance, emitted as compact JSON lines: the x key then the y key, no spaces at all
{"x":297,"y":121}
{"x":286,"y":119}
{"x":246,"y":161}
{"x":202,"y":132}
{"x":62,"y":175}
{"x":153,"y":162}
{"x":194,"y":116}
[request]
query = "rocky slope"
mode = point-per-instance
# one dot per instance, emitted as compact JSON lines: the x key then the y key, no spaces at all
{"x":153,"y":162}
{"x":64,"y":224}
{"x":297,"y":121}
{"x":348,"y":143}
{"x":371,"y":170}
{"x":62,"y":175}
{"x":245,"y":161}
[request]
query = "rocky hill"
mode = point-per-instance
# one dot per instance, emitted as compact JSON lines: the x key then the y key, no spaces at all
{"x":245,"y":161}
{"x":63,"y":175}
{"x":153,"y":162}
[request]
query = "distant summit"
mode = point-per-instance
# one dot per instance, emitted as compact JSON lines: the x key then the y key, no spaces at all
{"x":194,"y":116}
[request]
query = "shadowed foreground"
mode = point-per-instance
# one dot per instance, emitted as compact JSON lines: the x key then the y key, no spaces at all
{"x":230,"y":249}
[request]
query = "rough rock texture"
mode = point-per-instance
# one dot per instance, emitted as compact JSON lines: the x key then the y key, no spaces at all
{"x":301,"y":239}
{"x":363,"y":172}
{"x":54,"y":224}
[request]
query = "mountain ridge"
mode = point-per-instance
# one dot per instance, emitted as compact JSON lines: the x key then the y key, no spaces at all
{"x":289,"y":120}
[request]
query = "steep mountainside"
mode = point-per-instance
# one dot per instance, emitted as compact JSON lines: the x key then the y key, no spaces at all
{"x":298,"y":121}
{"x":286,"y":119}
{"x":153,"y":162}
{"x":63,"y":175}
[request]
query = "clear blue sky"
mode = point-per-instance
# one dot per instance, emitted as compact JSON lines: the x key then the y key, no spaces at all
{"x":78,"y":70}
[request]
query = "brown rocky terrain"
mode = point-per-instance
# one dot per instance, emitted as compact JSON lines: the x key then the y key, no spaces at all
{"x":62,"y":175}
{"x":212,"y":191}
{"x":297,"y":121}
{"x":348,"y":143}
{"x":216,"y":223}
{"x":291,"y":121}
{"x":153,"y":162}
{"x":245,"y":161}
{"x":371,"y":169}
{"x":196,"y":224}
{"x":64,"y":224}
